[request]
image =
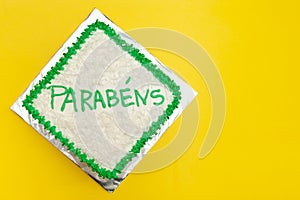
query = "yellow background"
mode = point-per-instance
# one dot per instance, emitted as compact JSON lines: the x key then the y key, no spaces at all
{"x":255,"y":45}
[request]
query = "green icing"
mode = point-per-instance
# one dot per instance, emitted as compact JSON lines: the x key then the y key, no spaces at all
{"x":88,"y":99}
{"x":60,"y":65}
{"x":125,"y":97}
{"x":84,"y":100}
{"x":139,"y":96}
{"x":112,"y":99}
{"x":70,"y":93}
{"x":155,"y":96}
{"x":98,"y":98}
{"x":128,"y":80}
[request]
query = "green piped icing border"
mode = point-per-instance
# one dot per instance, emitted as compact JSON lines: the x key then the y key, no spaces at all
{"x":60,"y":66}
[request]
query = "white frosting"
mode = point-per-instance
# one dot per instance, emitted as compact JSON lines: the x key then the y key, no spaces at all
{"x":104,"y":134}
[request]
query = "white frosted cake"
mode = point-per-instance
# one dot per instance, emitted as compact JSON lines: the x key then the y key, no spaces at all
{"x":103,"y":100}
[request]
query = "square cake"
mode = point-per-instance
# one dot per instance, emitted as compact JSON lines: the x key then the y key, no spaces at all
{"x":103,"y":100}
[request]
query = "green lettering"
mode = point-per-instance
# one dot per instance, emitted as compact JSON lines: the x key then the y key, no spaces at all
{"x":111,"y":95}
{"x":125,"y":97}
{"x":71,"y":92}
{"x":128,"y":80}
{"x":98,"y":98}
{"x":53,"y":94}
{"x":155,"y":96}
{"x":85,"y":99}
{"x":139,"y":96}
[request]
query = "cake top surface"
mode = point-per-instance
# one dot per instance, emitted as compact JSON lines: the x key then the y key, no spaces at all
{"x":103,"y":100}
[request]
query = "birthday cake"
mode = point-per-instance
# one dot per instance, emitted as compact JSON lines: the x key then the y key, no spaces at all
{"x":103,"y":100}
